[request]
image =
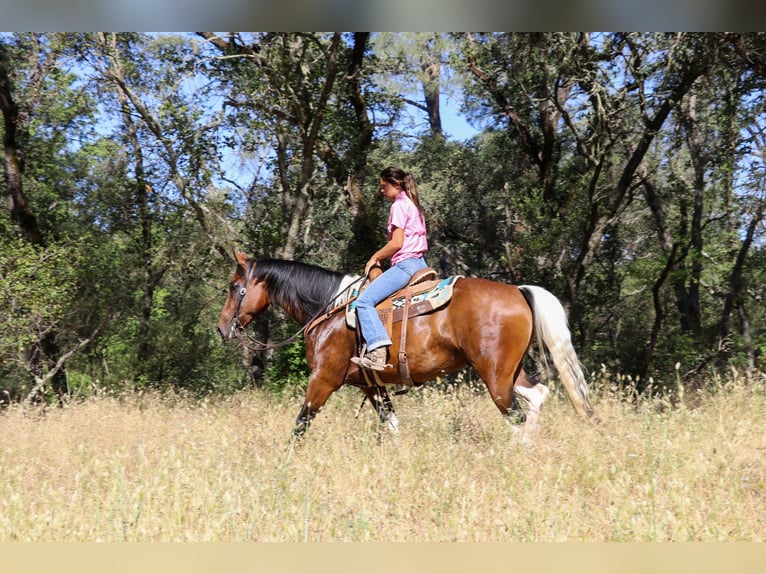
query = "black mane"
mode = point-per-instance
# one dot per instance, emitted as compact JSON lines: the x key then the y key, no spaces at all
{"x":301,"y":289}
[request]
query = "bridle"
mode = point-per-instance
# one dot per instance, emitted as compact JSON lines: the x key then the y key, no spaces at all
{"x":242,"y":292}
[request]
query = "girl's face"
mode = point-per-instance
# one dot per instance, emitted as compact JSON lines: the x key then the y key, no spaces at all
{"x":389,"y":190}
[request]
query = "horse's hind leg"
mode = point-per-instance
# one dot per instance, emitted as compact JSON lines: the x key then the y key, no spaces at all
{"x":533,"y":393}
{"x":506,"y":386}
{"x":499,"y":383}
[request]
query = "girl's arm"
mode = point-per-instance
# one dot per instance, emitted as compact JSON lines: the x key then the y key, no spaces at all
{"x":394,"y":245}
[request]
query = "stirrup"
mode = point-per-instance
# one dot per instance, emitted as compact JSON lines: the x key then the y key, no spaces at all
{"x":371,"y":361}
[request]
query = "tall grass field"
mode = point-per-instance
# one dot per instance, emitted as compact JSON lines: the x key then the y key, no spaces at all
{"x":149,"y":468}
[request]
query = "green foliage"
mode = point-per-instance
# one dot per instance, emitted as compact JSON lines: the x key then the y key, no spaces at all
{"x":289,"y":371}
{"x":38,"y":288}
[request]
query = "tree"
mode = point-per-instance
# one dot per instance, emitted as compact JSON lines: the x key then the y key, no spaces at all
{"x":170,"y":162}
{"x":287,"y":81}
{"x":412,"y":64}
{"x":30,"y":83}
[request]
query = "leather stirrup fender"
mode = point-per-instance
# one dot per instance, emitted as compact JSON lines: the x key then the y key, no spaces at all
{"x":404,"y":367}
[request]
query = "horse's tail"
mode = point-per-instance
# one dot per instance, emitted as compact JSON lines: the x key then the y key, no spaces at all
{"x":552,"y":332}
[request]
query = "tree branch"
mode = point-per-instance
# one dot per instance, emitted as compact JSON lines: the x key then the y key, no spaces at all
{"x":40,"y":382}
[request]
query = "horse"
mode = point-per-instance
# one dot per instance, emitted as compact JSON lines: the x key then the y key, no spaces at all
{"x":488,"y":325}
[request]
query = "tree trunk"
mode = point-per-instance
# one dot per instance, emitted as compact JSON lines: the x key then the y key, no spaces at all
{"x":736,"y":281}
{"x":432,"y":89}
{"x":13,"y":155}
{"x":44,"y":353}
{"x":151,"y":278}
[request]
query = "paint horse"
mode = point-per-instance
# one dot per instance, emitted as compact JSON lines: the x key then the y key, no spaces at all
{"x":487,"y":324}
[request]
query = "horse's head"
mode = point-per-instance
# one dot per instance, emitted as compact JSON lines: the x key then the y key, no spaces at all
{"x":245,"y":300}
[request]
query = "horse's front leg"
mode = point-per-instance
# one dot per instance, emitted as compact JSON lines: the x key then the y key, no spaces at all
{"x":381,"y":402}
{"x":302,"y":423}
{"x":321,"y":386}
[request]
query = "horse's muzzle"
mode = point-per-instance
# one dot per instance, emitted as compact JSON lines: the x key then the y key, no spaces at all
{"x":229,"y":330}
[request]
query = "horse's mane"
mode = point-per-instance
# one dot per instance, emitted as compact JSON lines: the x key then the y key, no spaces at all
{"x":299,"y":287}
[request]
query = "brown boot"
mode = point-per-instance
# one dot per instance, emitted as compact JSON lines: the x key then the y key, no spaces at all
{"x":375,"y":360}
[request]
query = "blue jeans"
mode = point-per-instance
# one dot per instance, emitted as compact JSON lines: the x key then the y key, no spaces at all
{"x":393,"y":279}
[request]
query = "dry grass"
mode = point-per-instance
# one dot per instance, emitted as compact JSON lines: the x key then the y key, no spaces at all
{"x":150,"y":469}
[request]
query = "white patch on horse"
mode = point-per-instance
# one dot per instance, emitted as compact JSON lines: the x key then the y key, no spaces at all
{"x":534,"y":397}
{"x":345,"y":290}
{"x":393,"y":424}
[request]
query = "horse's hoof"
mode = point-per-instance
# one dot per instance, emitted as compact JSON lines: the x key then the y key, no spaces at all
{"x":515,"y":418}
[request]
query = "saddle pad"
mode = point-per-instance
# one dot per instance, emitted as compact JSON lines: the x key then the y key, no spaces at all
{"x":427,"y":297}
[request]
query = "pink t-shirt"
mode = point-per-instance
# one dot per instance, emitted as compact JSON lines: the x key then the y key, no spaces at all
{"x":406,"y":216}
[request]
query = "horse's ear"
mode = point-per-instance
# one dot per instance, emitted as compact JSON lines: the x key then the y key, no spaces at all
{"x":241,"y":258}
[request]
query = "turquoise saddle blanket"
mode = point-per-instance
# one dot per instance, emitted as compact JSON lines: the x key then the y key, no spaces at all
{"x":424,"y":298}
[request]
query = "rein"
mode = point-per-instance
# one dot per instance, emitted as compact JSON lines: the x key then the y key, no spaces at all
{"x":254,"y":345}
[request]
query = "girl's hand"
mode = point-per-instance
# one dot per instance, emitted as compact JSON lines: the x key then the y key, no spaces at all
{"x":370,"y":264}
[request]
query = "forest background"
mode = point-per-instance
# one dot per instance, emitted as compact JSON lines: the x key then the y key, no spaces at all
{"x":622,"y":171}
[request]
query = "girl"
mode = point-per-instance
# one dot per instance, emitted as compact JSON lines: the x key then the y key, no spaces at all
{"x":406,"y":232}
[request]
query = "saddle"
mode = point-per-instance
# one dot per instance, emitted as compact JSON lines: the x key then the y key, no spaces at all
{"x":423,"y":294}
